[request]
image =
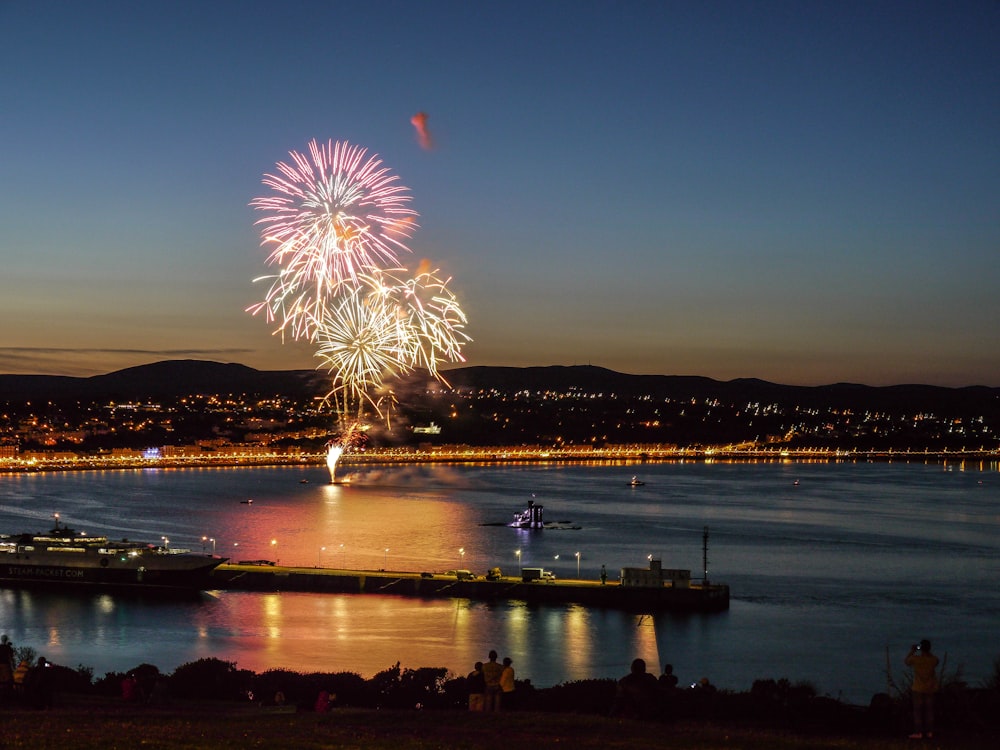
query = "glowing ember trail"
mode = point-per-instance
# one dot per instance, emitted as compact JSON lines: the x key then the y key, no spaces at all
{"x":335,"y":223}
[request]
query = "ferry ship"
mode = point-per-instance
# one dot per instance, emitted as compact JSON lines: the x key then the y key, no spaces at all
{"x":64,"y":556}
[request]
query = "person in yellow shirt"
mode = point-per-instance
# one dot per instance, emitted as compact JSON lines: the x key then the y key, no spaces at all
{"x":507,"y":683}
{"x":491,"y":675}
{"x":925,"y":684}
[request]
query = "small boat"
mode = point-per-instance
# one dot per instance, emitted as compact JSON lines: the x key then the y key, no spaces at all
{"x":529,"y":518}
{"x":303,"y":481}
{"x":636,"y":482}
{"x":246,"y":502}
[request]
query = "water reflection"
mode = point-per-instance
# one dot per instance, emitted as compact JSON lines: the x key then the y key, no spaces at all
{"x":850,"y":557}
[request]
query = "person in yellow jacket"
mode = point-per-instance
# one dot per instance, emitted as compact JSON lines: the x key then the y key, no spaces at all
{"x":20,"y":673}
{"x":925,"y":684}
{"x":507,"y":683}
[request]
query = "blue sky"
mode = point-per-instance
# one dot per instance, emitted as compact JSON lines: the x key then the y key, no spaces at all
{"x":804,"y":192}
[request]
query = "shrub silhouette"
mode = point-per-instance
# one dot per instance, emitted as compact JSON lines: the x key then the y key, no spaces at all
{"x":210,"y":679}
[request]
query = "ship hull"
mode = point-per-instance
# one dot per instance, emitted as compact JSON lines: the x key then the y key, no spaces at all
{"x":112,"y":568}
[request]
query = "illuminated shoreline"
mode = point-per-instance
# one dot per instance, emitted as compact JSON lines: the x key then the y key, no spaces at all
{"x":498,"y":455}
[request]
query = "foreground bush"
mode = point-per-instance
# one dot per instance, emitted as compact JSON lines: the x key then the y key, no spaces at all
{"x":769,"y":704}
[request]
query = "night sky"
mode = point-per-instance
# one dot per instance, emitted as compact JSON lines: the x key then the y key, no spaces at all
{"x":804,"y":192}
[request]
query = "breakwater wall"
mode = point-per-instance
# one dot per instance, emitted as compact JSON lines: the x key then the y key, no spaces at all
{"x":696,"y":598}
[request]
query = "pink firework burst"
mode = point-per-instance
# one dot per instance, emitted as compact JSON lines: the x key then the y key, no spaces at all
{"x":333,"y":214}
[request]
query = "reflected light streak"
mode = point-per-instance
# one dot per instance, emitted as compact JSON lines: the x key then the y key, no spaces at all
{"x":271,"y":605}
{"x":646,"y":646}
{"x":517,"y":632}
{"x":579,"y":640}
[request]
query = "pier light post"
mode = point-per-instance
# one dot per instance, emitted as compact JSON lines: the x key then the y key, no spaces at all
{"x":461,"y":557}
{"x":517,"y":554}
{"x":385,"y":559}
{"x":578,"y":566}
{"x":166,"y":542}
{"x":274,"y":547}
{"x":343,"y":556}
{"x":319,"y":555}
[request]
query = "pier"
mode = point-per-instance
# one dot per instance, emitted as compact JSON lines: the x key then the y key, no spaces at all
{"x":693,"y":597}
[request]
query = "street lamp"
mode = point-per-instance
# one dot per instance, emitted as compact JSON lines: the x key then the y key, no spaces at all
{"x":461,"y":552}
{"x":578,"y":566}
{"x":343,"y":555}
{"x":385,"y":559}
{"x":319,"y":555}
{"x":274,"y":546}
{"x":518,"y":554}
{"x":207,"y":539}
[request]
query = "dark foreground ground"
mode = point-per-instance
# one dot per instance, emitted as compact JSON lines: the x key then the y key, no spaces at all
{"x":106,"y":724}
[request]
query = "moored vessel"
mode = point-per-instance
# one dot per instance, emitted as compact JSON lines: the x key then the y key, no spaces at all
{"x":529,"y":518}
{"x":65,"y":557}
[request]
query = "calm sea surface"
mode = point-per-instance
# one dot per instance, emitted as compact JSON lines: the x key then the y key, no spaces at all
{"x":829,"y":565}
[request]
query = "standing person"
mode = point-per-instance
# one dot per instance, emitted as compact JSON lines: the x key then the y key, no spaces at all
{"x":667,"y":685}
{"x":925,"y":684}
{"x":6,"y":669}
{"x":668,"y":680}
{"x":38,"y":684}
{"x":20,"y":675}
{"x":477,"y":687}
{"x":636,"y":691}
{"x":507,"y":682}
{"x":491,"y":675}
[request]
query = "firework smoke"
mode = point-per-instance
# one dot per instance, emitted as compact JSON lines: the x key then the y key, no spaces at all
{"x":419,"y":123}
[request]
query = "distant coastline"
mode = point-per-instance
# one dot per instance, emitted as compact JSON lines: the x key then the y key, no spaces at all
{"x":491,"y":455}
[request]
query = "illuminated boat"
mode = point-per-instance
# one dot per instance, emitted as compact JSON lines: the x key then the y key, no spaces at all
{"x":529,"y":518}
{"x":636,"y":482}
{"x":65,"y":557}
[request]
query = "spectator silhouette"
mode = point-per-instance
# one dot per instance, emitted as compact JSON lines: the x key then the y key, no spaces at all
{"x":635,"y":696}
{"x":324,"y":701}
{"x":491,"y":675}
{"x":20,"y":676}
{"x":477,"y":687}
{"x":507,"y":683}
{"x":130,"y":688}
{"x":6,"y":670}
{"x":668,"y":680}
{"x":38,"y":684}
{"x":925,"y":684}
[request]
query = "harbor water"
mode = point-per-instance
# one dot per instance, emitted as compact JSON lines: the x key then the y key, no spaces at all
{"x":834,"y":568}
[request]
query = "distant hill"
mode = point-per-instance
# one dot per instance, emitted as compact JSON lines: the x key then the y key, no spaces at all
{"x":175,"y":378}
{"x":162,"y":380}
{"x":744,"y":390}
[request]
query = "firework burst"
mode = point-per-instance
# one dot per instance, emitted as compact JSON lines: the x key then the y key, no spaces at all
{"x":336,"y":221}
{"x":333,"y":214}
{"x":362,"y":341}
